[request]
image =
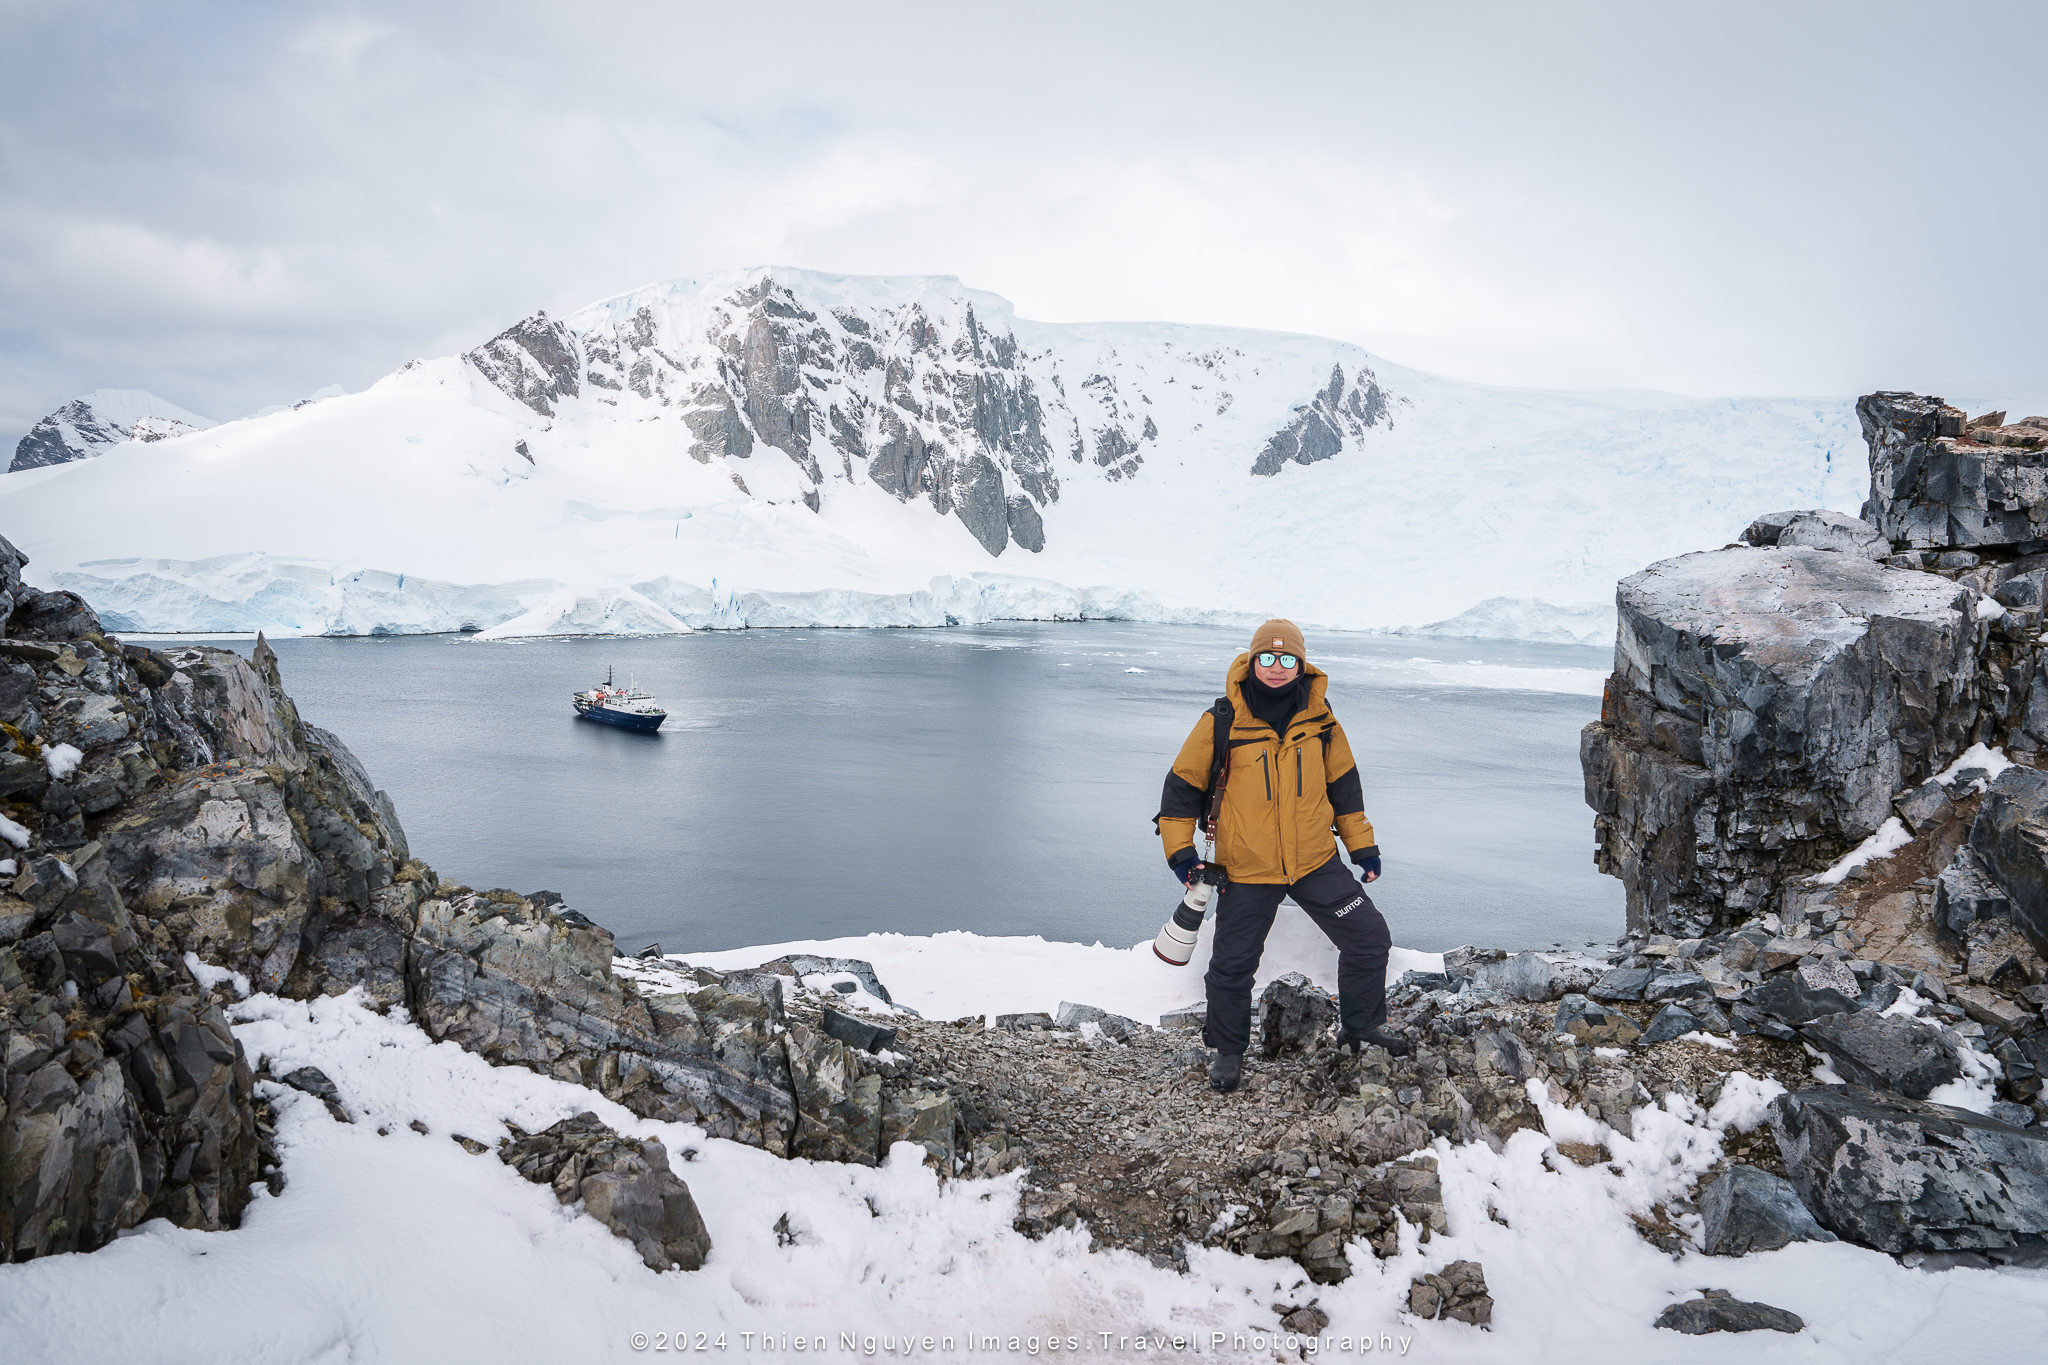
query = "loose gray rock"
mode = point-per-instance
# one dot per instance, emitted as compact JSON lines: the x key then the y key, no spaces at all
{"x":1461,"y":962}
{"x":625,"y":1184}
{"x":1423,"y":981}
{"x":1293,"y":1013}
{"x":1829,"y":975}
{"x":1904,"y":1175}
{"x":807,"y":964}
{"x":1593,"y":1026}
{"x":1622,"y":983}
{"x":2010,"y":839}
{"x":1676,"y":986}
{"x":925,"y":1117}
{"x":1893,"y":1052}
{"x":1723,"y":1313}
{"x":1114,"y":1026}
{"x":1751,"y":1210}
{"x":1925,"y":805}
{"x":1791,"y":1001}
{"x":1540,"y":976}
{"x":1458,"y":1293}
{"x":1673,"y":1021}
{"x":856,"y":1032}
{"x":1035,"y":1019}
{"x":1188,"y":1017}
{"x":1833,"y":531}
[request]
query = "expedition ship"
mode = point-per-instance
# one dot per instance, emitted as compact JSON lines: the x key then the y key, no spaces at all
{"x":626,"y":707}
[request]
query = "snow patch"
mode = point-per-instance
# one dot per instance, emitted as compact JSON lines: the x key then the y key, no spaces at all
{"x":1992,"y":761}
{"x":1977,"y":1088}
{"x":13,"y":833}
{"x":62,"y":760}
{"x":1891,"y":836}
{"x":210,"y":976}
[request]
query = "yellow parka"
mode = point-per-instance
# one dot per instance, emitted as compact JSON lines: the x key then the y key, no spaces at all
{"x":1290,"y":795}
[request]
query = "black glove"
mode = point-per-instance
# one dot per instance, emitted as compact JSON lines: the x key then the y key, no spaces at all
{"x":1183,"y":864}
{"x":1368,"y":860}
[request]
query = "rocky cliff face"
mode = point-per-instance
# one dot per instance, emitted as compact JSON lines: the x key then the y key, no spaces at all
{"x":926,"y":390}
{"x":1770,"y":700}
{"x":1778,"y":703}
{"x":97,"y":422}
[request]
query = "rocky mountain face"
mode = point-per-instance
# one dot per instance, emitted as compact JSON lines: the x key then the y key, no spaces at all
{"x":1818,"y":689}
{"x":97,"y":422}
{"x":926,"y":390}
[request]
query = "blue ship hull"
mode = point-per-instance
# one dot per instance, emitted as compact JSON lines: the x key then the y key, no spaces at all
{"x":622,"y":719}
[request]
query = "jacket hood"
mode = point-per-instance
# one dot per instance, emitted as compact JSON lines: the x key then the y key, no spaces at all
{"x":1240,"y":672}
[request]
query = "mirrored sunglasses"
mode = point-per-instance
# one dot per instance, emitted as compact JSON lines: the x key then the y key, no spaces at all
{"x":1269,"y":658}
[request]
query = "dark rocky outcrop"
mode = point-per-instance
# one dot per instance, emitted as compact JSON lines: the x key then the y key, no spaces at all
{"x":1293,"y":1012}
{"x":1765,"y":707}
{"x":1747,"y":1210}
{"x":1893,"y":1053}
{"x":1941,"y":481}
{"x":2010,"y":841}
{"x":625,"y":1184}
{"x":1347,"y":406}
{"x":95,"y":423}
{"x":534,"y":362}
{"x":1720,"y":1311}
{"x":1773,"y":705}
{"x":1903,"y":1175}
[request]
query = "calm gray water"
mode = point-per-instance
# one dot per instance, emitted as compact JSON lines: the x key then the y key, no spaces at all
{"x":1000,"y":779}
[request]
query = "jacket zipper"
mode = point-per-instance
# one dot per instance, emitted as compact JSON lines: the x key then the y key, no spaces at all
{"x":1267,"y":774}
{"x":1297,"y":770}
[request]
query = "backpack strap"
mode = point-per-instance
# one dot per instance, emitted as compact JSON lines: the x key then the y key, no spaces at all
{"x":1224,"y":714}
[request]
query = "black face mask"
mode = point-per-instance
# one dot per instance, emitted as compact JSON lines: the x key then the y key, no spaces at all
{"x":1276,"y":705}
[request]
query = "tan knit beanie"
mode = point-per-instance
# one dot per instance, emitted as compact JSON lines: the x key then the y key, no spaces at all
{"x":1283,"y":636}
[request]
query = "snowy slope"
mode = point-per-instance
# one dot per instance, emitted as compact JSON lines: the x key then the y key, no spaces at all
{"x":777,"y":447}
{"x":95,"y":423}
{"x":391,"y":1245}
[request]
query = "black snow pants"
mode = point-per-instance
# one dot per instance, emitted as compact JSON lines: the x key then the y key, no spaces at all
{"x":1244,"y":916}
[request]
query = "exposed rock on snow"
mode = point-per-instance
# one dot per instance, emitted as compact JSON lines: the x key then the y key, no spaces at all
{"x":626,"y":1185}
{"x":1901,"y":1175}
{"x":1886,"y":1052}
{"x":1720,"y":1311}
{"x":1752,"y":1210}
{"x":1459,"y":1293}
{"x":99,"y":421}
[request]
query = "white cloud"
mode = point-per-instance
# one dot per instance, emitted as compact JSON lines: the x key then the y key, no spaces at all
{"x":233,"y":206}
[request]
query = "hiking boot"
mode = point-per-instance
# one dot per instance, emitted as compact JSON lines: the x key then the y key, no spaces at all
{"x":1225,"y":1071}
{"x":1394,"y":1043}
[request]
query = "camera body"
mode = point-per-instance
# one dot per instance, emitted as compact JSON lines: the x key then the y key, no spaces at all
{"x":1214,"y":874}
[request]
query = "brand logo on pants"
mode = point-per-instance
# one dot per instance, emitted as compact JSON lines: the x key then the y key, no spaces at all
{"x":1355,"y":902}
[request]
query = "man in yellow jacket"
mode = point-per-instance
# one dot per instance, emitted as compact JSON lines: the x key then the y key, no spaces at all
{"x":1291,"y":793}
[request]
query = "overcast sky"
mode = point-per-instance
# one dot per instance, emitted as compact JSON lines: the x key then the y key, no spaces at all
{"x":234,"y":204}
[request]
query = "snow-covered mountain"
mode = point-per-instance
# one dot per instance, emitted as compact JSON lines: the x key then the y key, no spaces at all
{"x":779,"y":447}
{"x":97,"y":422}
